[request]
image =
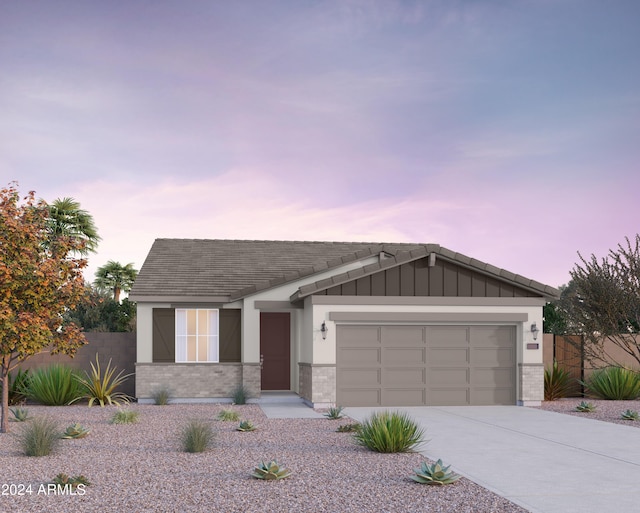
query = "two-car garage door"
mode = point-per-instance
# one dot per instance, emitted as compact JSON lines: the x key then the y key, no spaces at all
{"x":413,"y":365}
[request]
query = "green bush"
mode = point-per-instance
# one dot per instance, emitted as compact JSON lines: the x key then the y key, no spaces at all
{"x":125,"y":416}
{"x":197,"y":436}
{"x":613,"y":383}
{"x":99,"y":386}
{"x":39,"y":437}
{"x":558,"y":382}
{"x":239,"y":395}
{"x":334,"y":412}
{"x":228,"y":414}
{"x":161,"y":396}
{"x":54,"y":385}
{"x":389,"y":432}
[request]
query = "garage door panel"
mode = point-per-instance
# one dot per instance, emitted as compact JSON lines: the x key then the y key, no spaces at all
{"x":361,"y":356}
{"x":403,"y":376}
{"x":448,"y":376}
{"x":448,"y":397}
{"x":360,"y":397}
{"x":490,"y":396}
{"x":361,"y":336}
{"x":404,"y":356}
{"x":447,"y":335}
{"x":404,"y":397}
{"x":360,"y":377}
{"x":448,"y":356}
{"x":502,"y":356}
{"x":493,"y":377}
{"x":402,"y":336}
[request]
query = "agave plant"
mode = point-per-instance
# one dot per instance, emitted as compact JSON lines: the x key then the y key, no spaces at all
{"x":630,"y":415}
{"x":75,"y":431}
{"x":435,"y":474}
{"x":348,"y":428}
{"x":334,"y":412}
{"x":73,"y":482}
{"x":558,"y":382}
{"x":270,"y":471}
{"x":585,"y":407}
{"x":19,"y":414}
{"x":101,"y":386}
{"x":246,"y":425}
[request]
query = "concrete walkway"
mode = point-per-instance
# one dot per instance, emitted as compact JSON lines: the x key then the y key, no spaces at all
{"x":543,"y":461}
{"x":285,"y":405}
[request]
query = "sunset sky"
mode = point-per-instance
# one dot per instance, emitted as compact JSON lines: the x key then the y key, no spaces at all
{"x":508,"y":131}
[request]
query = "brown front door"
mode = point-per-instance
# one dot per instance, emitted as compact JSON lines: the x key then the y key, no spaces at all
{"x":275,"y":352}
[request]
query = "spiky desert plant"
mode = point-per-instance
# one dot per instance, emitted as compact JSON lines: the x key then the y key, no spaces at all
{"x":125,"y":416}
{"x":387,"y":431}
{"x":197,"y":436}
{"x":630,"y":415}
{"x":75,"y":431}
{"x":613,"y":383}
{"x":39,"y":437}
{"x":63,"y":480}
{"x":348,"y":428}
{"x":228,"y":414}
{"x":161,"y":396}
{"x":246,"y":425}
{"x":17,"y":386}
{"x":270,"y":471}
{"x":435,"y":474}
{"x":585,"y":407}
{"x":334,"y":412}
{"x":19,"y":414}
{"x":101,"y":386}
{"x":239,"y":395}
{"x":53,"y":385}
{"x":558,"y":382}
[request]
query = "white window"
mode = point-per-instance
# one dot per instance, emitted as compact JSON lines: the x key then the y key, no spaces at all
{"x":196,"y":335}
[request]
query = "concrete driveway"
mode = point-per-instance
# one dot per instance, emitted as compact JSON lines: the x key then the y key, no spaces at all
{"x":543,"y":461}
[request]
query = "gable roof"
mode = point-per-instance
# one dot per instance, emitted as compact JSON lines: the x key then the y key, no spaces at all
{"x":225,"y":270}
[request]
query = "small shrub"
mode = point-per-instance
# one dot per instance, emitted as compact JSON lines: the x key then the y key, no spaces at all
{"x":161,"y":396}
{"x":75,"y":431}
{"x":73,"y":482}
{"x":197,"y":436}
{"x":99,"y":386}
{"x":630,"y":415}
{"x":348,"y":428}
{"x":334,"y":412}
{"x":435,"y":474}
{"x":54,"y":385}
{"x":239,"y":395}
{"x":39,"y":437}
{"x":246,"y":425}
{"x":389,"y":432}
{"x":585,"y":407}
{"x":19,"y":414}
{"x":270,"y":471}
{"x":125,"y":416}
{"x":228,"y":414}
{"x":614,"y":383}
{"x":558,"y":382}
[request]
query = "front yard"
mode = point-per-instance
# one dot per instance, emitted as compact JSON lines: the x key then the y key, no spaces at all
{"x":141,"y":467}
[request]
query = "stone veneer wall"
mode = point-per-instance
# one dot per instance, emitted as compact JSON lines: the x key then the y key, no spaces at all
{"x":197,"y":380}
{"x":531,"y":383}
{"x":317,"y":384}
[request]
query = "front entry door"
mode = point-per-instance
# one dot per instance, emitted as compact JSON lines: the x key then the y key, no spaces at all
{"x":275,"y":350}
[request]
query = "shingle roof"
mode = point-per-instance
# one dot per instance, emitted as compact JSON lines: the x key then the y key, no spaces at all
{"x":236,"y":268}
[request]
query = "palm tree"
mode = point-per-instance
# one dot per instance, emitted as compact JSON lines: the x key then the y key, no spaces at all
{"x":115,"y":277}
{"x":67,"y":219}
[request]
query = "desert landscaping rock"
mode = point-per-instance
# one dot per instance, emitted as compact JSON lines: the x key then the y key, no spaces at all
{"x":140,"y":467}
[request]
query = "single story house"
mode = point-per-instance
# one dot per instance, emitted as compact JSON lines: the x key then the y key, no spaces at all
{"x":348,"y":323}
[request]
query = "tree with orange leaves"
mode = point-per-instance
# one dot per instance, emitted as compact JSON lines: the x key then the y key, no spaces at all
{"x":39,"y":281}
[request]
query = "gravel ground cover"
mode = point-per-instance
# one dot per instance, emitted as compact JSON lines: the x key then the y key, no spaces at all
{"x":607,"y":411}
{"x":140,"y":467}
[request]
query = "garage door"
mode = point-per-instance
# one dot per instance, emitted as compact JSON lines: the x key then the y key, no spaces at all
{"x":425,"y":365}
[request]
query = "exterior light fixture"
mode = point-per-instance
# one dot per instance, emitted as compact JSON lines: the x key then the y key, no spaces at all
{"x":324,"y":330}
{"x":535,"y":331}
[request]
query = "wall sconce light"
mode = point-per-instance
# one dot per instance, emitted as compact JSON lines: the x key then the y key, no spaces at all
{"x":324,"y":330}
{"x":535,"y":331}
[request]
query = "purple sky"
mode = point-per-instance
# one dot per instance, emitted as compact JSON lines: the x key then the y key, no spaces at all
{"x":505,"y":130}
